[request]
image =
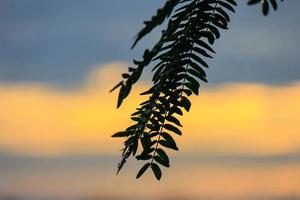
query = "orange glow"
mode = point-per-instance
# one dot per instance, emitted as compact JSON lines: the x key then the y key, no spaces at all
{"x":243,"y":118}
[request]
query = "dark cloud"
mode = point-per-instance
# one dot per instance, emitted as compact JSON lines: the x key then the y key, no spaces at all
{"x":259,"y":49}
{"x":60,"y":41}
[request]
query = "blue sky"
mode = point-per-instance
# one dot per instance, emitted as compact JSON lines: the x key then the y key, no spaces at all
{"x":60,"y":42}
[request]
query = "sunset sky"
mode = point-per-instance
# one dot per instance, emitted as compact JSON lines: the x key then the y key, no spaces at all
{"x":58,"y":60}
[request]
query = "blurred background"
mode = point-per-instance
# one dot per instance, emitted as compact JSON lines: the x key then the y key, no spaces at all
{"x":58,"y":60}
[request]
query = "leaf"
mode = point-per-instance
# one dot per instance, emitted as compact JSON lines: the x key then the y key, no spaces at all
{"x":210,"y":37}
{"x":147,"y":151}
{"x":192,"y":87}
{"x":125,"y":75}
{"x":153,"y":134}
{"x":121,"y":134}
{"x":193,"y":82}
{"x":143,"y":157}
{"x":156,"y":170}
{"x":172,"y":128}
{"x":226,"y":5}
{"x":175,"y":110}
{"x":219,"y":21}
{"x":274,"y":4}
{"x":174,"y":120}
{"x":168,"y":138}
{"x":136,"y":75}
{"x":206,"y":46}
{"x":185,"y":102}
{"x":265,"y":7}
{"x":133,"y":144}
{"x":201,"y":76}
{"x":252,"y":2}
{"x":186,"y":91}
{"x":168,"y":145}
{"x":150,"y":91}
{"x":163,"y":155}
{"x":153,"y":142}
{"x":124,"y":91}
{"x":161,"y":161}
{"x":197,"y":68}
{"x":142,"y":170}
{"x":199,"y":60}
{"x":118,"y":85}
{"x":232,"y":2}
{"x":202,"y":52}
{"x":223,"y":13}
{"x":156,"y":20}
{"x":146,"y":141}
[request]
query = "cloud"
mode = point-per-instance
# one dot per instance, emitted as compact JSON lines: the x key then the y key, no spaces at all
{"x":231,"y":119}
{"x":58,"y":43}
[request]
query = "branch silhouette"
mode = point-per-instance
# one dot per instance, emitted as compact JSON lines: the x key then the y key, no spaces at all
{"x":179,"y":59}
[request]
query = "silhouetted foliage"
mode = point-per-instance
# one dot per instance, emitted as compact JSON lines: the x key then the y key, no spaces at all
{"x":179,"y":62}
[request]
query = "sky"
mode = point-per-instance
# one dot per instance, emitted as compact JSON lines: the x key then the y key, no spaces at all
{"x":58,"y":60}
{"x":60,"y":42}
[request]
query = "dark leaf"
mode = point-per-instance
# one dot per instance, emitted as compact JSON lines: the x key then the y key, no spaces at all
{"x":173,"y":120}
{"x":193,"y":81}
{"x":156,"y":20}
{"x":118,"y":85}
{"x":232,"y":2}
{"x":143,"y":157}
{"x":175,"y":110}
{"x":153,"y":134}
{"x":274,"y":4}
{"x":265,"y":7}
{"x":185,"y":102}
{"x":168,"y":145}
{"x":192,"y":87}
{"x":146,"y":141}
{"x":168,"y":138}
{"x":199,"y":60}
{"x":125,"y":75}
{"x":223,"y":13}
{"x":226,"y":5}
{"x":156,"y":170}
{"x":124,"y":91}
{"x":134,"y":146}
{"x":121,"y":134}
{"x":172,"y":128}
{"x":251,"y":2}
{"x":163,"y":155}
{"x":142,"y":170}
{"x":159,"y":160}
{"x":202,"y":52}
{"x":206,"y":46}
